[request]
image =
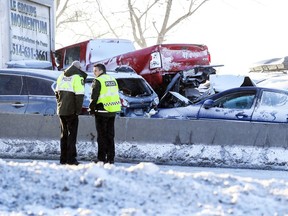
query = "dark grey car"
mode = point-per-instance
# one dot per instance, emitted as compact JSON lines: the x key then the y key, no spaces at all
{"x":28,"y":91}
{"x":31,"y":91}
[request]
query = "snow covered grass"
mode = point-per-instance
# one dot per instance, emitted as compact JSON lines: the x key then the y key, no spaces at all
{"x":184,"y":154}
{"x":47,"y":188}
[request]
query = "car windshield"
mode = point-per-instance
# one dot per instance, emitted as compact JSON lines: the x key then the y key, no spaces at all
{"x":133,"y":87}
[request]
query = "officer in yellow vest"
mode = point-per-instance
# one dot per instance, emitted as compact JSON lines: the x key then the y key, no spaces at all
{"x":104,"y":104}
{"x":70,"y":96}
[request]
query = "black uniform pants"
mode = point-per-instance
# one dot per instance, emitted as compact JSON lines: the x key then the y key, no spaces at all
{"x":105,"y":138}
{"x":69,"y":128}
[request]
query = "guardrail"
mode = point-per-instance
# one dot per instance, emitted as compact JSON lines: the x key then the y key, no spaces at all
{"x":188,"y":142}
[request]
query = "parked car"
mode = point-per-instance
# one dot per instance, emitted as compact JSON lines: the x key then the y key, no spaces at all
{"x":242,"y":104}
{"x":28,"y":91}
{"x":31,"y":91}
{"x":136,"y":95}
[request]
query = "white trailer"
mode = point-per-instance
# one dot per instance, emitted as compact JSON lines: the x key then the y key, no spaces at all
{"x":27,"y":31}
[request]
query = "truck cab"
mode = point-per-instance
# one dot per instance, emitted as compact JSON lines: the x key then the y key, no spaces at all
{"x":92,"y":50}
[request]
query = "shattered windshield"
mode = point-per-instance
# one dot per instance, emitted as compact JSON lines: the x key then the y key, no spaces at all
{"x":133,"y":87}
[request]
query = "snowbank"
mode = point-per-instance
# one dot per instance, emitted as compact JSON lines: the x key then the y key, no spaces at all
{"x":46,"y":188}
{"x":171,"y":154}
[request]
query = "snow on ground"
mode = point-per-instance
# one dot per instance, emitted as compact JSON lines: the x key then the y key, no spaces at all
{"x":47,"y":188}
{"x":172,"y":154}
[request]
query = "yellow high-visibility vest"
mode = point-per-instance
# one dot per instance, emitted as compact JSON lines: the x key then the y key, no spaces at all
{"x":109,"y":95}
{"x":74,"y":83}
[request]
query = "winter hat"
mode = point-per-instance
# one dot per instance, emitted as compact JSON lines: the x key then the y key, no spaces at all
{"x":77,"y":64}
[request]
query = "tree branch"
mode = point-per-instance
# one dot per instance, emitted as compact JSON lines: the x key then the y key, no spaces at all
{"x":106,"y":20}
{"x":135,"y":21}
{"x":189,"y":13}
{"x":163,"y":30}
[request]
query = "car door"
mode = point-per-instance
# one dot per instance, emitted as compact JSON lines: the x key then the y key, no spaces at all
{"x":41,"y":98}
{"x":237,"y":105}
{"x":271,"y":107}
{"x":13,"y":94}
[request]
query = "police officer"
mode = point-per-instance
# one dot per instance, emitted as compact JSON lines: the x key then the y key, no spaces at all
{"x":70,"y":97}
{"x":104,"y":104}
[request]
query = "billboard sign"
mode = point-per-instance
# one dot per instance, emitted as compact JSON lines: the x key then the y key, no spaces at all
{"x":29,"y":31}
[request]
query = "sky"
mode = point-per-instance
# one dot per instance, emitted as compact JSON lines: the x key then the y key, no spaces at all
{"x":238,"y":33}
{"x":32,"y":187}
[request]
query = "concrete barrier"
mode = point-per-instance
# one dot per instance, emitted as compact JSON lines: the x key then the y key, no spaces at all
{"x":38,"y":136}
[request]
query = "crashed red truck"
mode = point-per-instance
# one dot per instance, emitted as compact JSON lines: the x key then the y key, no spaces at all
{"x":159,"y":64}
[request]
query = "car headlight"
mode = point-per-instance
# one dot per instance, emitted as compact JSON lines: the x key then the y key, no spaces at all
{"x":156,"y":101}
{"x":124,"y":103}
{"x":155,"y":60}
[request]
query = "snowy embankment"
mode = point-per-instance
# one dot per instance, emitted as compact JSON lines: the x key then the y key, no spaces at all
{"x":46,"y":188}
{"x":172,"y":154}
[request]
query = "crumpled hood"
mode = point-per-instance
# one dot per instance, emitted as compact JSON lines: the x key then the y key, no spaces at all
{"x":72,"y":70}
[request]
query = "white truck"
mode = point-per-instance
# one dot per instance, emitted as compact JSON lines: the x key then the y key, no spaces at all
{"x":27,"y":33}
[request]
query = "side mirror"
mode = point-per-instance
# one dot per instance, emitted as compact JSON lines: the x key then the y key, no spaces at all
{"x":208,"y":103}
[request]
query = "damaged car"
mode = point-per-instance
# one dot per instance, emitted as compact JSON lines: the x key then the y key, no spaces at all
{"x":188,"y":87}
{"x":136,"y":95}
{"x":253,"y":104}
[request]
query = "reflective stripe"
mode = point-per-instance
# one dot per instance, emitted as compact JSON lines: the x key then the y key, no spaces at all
{"x":112,"y":103}
{"x":102,"y":111}
{"x":108,"y":94}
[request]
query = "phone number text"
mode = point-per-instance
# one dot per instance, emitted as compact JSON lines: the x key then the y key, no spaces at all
{"x":28,"y":52}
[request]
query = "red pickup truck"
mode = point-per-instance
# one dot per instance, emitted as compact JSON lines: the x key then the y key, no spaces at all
{"x":158,"y":64}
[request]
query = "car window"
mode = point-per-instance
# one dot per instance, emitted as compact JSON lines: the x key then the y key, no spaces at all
{"x":274,"y":99}
{"x":38,"y":86}
{"x":238,"y":100}
{"x":133,"y":87}
{"x":10,"y":84}
{"x":72,"y":54}
{"x":87,"y":89}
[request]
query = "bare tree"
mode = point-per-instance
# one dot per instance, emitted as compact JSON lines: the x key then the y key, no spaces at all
{"x":139,"y":23}
{"x":153,"y":20}
{"x":138,"y":31}
{"x":66,"y":14}
{"x":69,"y":16}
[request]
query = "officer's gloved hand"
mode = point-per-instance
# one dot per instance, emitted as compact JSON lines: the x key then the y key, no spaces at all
{"x":91,"y":111}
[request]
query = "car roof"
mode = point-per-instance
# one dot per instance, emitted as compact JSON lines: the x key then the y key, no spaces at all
{"x":257,"y":88}
{"x":234,"y":90}
{"x":49,"y":74}
{"x":283,"y":78}
{"x":119,"y":75}
{"x":124,"y":74}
